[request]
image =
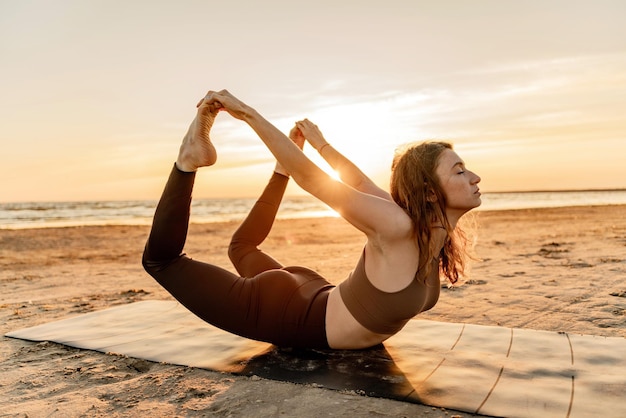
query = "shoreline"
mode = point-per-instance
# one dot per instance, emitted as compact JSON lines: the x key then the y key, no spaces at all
{"x":555,"y":269}
{"x":139,"y":212}
{"x":147,"y":222}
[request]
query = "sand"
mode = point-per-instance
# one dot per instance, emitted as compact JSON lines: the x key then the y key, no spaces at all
{"x":558,"y":269}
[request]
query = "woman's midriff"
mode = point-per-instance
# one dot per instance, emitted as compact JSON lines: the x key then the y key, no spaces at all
{"x":345,"y":332}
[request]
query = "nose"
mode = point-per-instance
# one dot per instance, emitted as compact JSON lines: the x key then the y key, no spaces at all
{"x":475,"y":178}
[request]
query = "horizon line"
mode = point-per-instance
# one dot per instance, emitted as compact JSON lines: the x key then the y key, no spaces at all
{"x":305,"y":195}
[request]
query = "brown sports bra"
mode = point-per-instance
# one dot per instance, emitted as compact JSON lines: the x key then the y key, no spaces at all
{"x":384,"y":312}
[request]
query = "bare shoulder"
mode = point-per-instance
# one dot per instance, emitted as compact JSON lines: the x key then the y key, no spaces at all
{"x":396,"y":229}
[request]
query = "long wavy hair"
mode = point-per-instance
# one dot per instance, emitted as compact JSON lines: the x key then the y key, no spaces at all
{"x":416,"y":188}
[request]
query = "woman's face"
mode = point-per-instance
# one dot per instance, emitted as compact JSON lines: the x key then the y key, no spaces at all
{"x":459,"y":185}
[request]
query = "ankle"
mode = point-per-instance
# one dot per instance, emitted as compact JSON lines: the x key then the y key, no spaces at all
{"x":279,"y":169}
{"x":186,"y":160}
{"x":185,"y":167}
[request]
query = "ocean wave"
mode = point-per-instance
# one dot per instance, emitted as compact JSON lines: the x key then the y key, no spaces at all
{"x":139,"y":212}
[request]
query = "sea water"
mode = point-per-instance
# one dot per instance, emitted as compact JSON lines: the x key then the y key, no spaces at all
{"x":140,"y":212}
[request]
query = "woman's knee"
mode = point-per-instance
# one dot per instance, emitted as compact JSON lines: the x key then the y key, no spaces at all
{"x":237,"y":250}
{"x":151,"y":266}
{"x":147,"y":265}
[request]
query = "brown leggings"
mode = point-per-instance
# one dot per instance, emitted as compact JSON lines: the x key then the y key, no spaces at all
{"x":285,"y":306}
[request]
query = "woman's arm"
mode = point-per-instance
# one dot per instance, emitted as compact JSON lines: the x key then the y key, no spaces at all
{"x":380,"y":219}
{"x":347,"y":170}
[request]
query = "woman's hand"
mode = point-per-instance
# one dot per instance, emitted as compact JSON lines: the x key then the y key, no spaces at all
{"x":296,"y":136}
{"x":312,"y":133}
{"x":224,"y":100}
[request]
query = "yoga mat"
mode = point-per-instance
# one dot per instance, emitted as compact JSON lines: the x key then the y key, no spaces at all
{"x":478,"y":369}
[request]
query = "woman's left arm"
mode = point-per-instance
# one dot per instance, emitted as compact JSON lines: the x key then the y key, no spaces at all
{"x":377,"y":217}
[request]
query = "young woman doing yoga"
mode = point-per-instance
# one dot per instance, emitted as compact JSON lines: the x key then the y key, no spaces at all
{"x":411,"y":239}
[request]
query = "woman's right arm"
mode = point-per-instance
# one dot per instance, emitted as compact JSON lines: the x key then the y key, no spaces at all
{"x":347,"y":170}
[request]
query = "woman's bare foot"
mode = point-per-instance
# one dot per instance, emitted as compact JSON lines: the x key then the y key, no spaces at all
{"x":197,"y":150}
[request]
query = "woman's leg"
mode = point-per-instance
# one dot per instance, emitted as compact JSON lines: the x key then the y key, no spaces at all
{"x":284,"y":307}
{"x":171,"y":220}
{"x":208,"y":291}
{"x":243,"y":250}
{"x":203,"y":288}
{"x":280,"y":306}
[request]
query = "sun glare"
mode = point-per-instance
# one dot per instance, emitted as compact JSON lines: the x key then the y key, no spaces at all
{"x":366,"y":133}
{"x":334,"y":175}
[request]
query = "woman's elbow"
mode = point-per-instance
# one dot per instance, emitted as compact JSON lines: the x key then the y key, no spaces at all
{"x":151,"y":266}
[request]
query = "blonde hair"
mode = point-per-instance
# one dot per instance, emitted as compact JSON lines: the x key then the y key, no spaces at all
{"x":416,"y":188}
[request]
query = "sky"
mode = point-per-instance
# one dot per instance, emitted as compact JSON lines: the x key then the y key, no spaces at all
{"x":97,"y":95}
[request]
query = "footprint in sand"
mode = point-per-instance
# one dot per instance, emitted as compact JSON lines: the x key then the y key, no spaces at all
{"x":611,"y":260}
{"x":475,"y":281}
{"x":515,"y":273}
{"x":552,"y":250}
{"x":579,"y":265}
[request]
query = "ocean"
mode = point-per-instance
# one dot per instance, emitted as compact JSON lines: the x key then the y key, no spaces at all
{"x":140,"y":212}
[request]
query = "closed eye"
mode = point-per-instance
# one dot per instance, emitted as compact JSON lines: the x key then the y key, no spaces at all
{"x":460,"y":166}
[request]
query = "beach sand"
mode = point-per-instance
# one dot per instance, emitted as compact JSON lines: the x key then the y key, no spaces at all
{"x":550,"y":269}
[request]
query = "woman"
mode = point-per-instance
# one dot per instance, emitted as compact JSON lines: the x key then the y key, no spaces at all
{"x":410,"y":239}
